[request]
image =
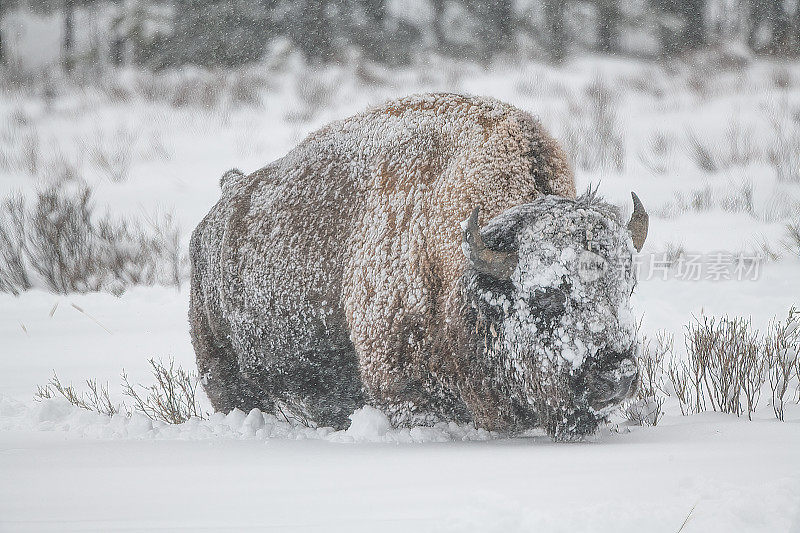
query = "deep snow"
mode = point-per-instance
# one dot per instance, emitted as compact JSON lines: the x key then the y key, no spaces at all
{"x":736,"y":476}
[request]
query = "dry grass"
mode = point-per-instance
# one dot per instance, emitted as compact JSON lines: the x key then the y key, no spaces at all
{"x":112,"y":154}
{"x":172,"y":398}
{"x":647,"y":408}
{"x":658,"y":155}
{"x":783,"y":152}
{"x":96,"y":398}
{"x":791,"y":241}
{"x":729,"y":363}
{"x":592,"y":132}
{"x":782,"y":352}
{"x":737,"y":147}
{"x":730,"y":198}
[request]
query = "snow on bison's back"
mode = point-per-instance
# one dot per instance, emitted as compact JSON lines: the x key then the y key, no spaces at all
{"x":331,"y":277}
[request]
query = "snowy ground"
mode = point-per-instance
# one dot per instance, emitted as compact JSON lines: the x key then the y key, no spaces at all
{"x":63,"y":469}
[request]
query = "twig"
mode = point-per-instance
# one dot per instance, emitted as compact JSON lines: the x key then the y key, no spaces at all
{"x":688,"y":516}
{"x":91,"y":317}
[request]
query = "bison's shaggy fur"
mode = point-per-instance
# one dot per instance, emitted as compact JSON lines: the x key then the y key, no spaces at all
{"x":331,"y":277}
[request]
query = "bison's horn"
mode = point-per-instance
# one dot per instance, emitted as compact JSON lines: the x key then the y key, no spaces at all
{"x":497,"y":264}
{"x":638,"y":223}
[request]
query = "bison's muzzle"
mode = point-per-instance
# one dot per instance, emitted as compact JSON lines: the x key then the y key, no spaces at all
{"x":609,"y":386}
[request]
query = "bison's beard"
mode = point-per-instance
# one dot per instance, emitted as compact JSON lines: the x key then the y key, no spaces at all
{"x":559,"y":411}
{"x":497,"y":394}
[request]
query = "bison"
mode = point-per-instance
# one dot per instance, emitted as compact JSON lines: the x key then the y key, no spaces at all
{"x":354,"y":270}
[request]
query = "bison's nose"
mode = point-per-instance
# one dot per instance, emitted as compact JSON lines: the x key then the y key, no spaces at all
{"x":609,"y":387}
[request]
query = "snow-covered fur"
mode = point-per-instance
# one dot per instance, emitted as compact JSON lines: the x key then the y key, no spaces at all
{"x":334,"y":276}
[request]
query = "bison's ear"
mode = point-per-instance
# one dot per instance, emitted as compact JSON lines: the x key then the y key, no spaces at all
{"x":496,"y":264}
{"x":638,"y":223}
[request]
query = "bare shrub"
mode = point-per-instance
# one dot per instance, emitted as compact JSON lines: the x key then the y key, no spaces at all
{"x":166,"y":234}
{"x":193,"y":88}
{"x":791,"y":241}
{"x":60,"y":168}
{"x":112,"y":154}
{"x":697,"y":81}
{"x":592,"y":134}
{"x":171,"y":399}
{"x":783,"y":151}
{"x":679,"y":376}
{"x":59,"y":241}
{"x":698,"y":152}
{"x":157,"y":149}
{"x":314,"y":93}
{"x":28,"y":157}
{"x":766,"y":249}
{"x":782,"y":78}
{"x":647,"y":409}
{"x":14,"y":276}
{"x":674,"y":252}
{"x":729,"y":363}
{"x":96,"y":398}
{"x":648,"y":81}
{"x":782,"y":349}
{"x":116,"y":90}
{"x":657,"y":155}
{"x":151,"y":87}
{"x":739,"y":200}
{"x":730,"y":198}
{"x":737,"y":148}
{"x":752,"y":373}
{"x":58,"y":238}
{"x":726,"y":364}
{"x":245,"y":90}
{"x":17,"y":78}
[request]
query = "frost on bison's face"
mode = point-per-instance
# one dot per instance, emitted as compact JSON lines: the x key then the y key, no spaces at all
{"x":551,"y":307}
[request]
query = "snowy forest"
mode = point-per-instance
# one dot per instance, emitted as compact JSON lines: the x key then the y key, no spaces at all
{"x":120,"y":124}
{"x":162,"y":34}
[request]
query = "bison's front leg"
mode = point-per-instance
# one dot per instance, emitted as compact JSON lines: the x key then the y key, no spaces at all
{"x":392,"y":338}
{"x":390,"y":372}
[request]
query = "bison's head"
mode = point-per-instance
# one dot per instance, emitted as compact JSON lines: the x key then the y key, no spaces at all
{"x":549,"y":286}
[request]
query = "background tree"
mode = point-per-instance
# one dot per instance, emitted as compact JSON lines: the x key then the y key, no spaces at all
{"x":495,"y":22}
{"x":140,"y":30}
{"x":607,"y":20}
{"x":219,"y":32}
{"x":310,"y":26}
{"x":771,"y":27}
{"x":68,"y":36}
{"x":555,"y":31}
{"x":682,"y":25}
{"x":5,"y":6}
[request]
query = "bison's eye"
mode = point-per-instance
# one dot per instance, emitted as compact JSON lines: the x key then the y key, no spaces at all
{"x":548,"y":306}
{"x":551,"y":302}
